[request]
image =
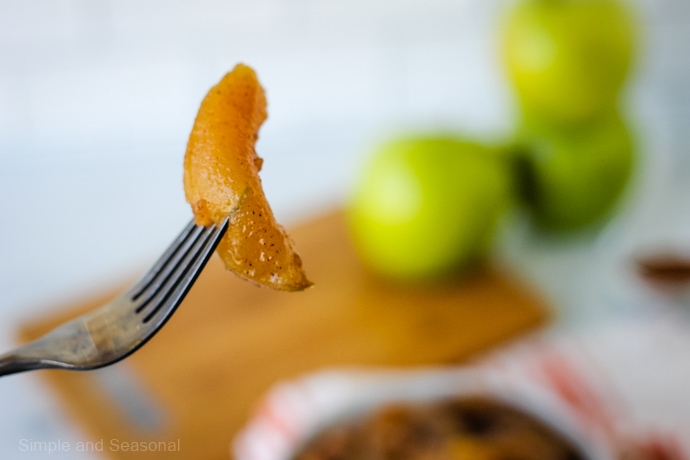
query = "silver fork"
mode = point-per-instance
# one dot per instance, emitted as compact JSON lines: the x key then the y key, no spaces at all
{"x":120,"y":327}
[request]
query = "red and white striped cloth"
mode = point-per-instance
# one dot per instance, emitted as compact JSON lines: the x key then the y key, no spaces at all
{"x":624,"y":387}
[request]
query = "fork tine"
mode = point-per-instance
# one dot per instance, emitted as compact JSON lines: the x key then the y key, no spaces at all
{"x":178,"y":284}
{"x":177,"y":255}
{"x":164,"y":261}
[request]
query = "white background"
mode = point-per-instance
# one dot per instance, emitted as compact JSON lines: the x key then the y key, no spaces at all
{"x":97,"y":100}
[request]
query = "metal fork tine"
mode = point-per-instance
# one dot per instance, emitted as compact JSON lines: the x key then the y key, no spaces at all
{"x":186,"y":272}
{"x":176,"y":277}
{"x":163,"y":275}
{"x":145,"y":282}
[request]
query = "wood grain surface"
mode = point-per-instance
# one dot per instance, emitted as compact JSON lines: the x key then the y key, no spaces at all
{"x":197,"y":381}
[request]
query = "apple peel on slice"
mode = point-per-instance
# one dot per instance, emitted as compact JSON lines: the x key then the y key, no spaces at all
{"x":221,"y":179}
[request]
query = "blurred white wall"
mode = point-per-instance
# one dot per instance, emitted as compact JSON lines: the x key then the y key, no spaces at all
{"x":97,"y":100}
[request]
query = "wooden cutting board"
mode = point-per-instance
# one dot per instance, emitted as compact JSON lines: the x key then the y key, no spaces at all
{"x":196,"y":383}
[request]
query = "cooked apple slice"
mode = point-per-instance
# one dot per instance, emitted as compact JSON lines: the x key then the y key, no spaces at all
{"x":221,"y":179}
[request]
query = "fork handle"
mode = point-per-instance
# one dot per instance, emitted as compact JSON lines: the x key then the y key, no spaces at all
{"x":25,"y":358}
{"x":10,"y":363}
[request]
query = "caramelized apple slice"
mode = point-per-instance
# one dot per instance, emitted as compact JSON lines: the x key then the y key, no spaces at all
{"x":221,"y":178}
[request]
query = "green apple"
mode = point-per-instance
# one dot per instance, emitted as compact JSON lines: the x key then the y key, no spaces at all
{"x":567,"y":59}
{"x":573,"y":176}
{"x":426,"y":207}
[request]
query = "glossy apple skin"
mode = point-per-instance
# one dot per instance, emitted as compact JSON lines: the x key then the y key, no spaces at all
{"x":427,"y":207}
{"x":567,"y":59}
{"x":573,"y":177}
